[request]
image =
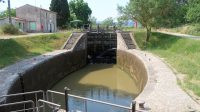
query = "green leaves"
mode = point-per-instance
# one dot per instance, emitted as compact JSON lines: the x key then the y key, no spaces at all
{"x":62,"y":9}
{"x":193,"y":13}
{"x":81,"y":10}
{"x":5,"y":13}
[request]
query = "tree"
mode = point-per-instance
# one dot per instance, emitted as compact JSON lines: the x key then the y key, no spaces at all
{"x":62,"y":9}
{"x":5,"y":13}
{"x":193,"y":13}
{"x":148,"y":12}
{"x":93,"y":20}
{"x":108,"y":22}
{"x":81,"y":10}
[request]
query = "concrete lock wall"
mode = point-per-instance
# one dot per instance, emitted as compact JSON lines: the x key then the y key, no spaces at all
{"x":131,"y":63}
{"x":42,"y":72}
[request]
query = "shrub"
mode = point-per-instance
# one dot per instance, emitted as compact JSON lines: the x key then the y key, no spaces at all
{"x":10,"y":29}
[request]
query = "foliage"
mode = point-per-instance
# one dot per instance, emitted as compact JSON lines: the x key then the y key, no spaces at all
{"x":62,"y":9}
{"x":81,"y":10}
{"x":5,"y":13}
{"x":108,"y":22}
{"x":150,"y":13}
{"x":10,"y":29}
{"x":93,"y":20}
{"x":193,"y":13}
{"x":181,"y":53}
{"x":13,"y":50}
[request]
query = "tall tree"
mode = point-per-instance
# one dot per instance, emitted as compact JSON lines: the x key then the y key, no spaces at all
{"x":81,"y":10}
{"x":62,"y":9}
{"x":148,"y":12}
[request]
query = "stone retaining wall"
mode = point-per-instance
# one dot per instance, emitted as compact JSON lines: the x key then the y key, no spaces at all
{"x":41,"y":72}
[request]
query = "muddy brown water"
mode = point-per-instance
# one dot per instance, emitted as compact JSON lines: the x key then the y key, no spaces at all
{"x":100,"y":82}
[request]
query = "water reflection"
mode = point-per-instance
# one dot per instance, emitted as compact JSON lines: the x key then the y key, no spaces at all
{"x":100,"y":82}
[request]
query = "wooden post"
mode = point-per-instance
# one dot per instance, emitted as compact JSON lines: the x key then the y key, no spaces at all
{"x":66,"y":98}
{"x":133,"y":106}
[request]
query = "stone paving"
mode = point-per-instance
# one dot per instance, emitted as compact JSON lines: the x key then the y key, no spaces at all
{"x":162,"y":93}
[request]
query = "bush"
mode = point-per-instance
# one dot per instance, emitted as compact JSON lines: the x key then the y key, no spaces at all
{"x":10,"y":29}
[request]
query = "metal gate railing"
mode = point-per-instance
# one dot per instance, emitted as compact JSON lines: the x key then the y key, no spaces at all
{"x":22,"y":102}
{"x":35,"y":101}
{"x":66,"y":94}
{"x":35,"y":106}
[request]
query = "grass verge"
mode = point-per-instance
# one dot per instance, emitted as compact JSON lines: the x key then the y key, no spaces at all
{"x":181,"y":53}
{"x":13,"y":50}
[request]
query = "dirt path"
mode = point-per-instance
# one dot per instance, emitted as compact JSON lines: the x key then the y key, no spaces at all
{"x":181,"y":35}
{"x":22,"y":36}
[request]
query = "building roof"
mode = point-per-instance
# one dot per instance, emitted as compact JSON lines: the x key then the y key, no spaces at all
{"x":37,"y":8}
{"x":16,"y":18}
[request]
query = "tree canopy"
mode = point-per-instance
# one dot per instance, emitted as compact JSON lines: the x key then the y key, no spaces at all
{"x":150,"y":12}
{"x":108,"y":22}
{"x":5,"y":13}
{"x":81,"y":10}
{"x":62,"y":9}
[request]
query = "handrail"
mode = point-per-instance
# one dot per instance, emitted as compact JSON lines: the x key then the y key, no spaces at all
{"x":50,"y":103}
{"x":28,"y":93}
{"x":89,"y":99}
{"x":25,"y":93}
{"x":54,"y":105}
{"x":22,"y":102}
{"x":102,"y":102}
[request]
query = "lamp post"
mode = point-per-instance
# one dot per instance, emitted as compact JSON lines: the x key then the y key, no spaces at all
{"x":9,"y":10}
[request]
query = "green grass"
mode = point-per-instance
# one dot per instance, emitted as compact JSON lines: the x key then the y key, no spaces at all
{"x":181,"y":53}
{"x":191,"y":29}
{"x":13,"y":50}
{"x":1,"y":32}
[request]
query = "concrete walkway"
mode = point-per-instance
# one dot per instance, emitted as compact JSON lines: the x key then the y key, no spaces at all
{"x":22,"y":36}
{"x":181,"y":35}
{"x":162,"y":93}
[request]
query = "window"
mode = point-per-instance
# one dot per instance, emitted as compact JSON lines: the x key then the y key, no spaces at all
{"x":32,"y":25}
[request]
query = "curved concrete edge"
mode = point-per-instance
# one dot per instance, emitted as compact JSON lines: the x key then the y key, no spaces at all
{"x":162,"y":93}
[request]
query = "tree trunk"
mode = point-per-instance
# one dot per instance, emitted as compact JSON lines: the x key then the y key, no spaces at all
{"x":148,"y":34}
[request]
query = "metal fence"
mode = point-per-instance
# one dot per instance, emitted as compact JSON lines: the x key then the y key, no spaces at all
{"x":50,"y":97}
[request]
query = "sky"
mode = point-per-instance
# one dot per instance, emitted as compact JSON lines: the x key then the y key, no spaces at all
{"x":101,"y":9}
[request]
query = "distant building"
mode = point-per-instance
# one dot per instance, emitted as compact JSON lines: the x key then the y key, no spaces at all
{"x":19,"y":23}
{"x":131,"y":23}
{"x":33,"y":19}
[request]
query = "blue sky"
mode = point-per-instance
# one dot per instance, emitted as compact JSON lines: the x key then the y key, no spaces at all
{"x":102,"y":9}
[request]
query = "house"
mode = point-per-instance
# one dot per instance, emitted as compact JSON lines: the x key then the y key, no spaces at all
{"x":33,"y":19}
{"x":37,"y":19}
{"x":19,"y":23}
{"x":132,"y":23}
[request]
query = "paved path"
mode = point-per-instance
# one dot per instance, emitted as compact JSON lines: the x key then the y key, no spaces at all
{"x":180,"y":35}
{"x":162,"y":93}
{"x":22,"y":36}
